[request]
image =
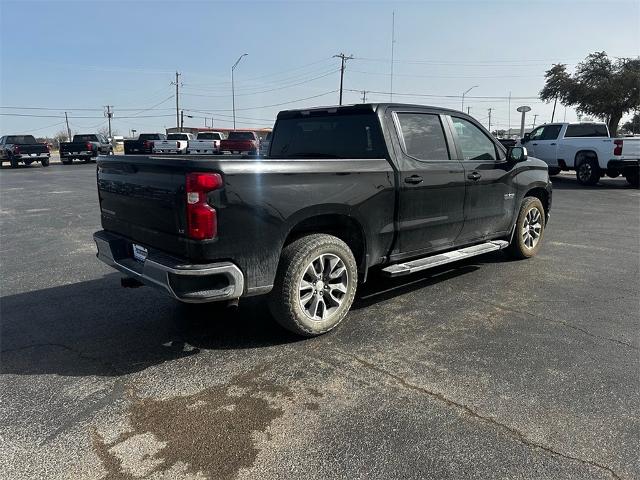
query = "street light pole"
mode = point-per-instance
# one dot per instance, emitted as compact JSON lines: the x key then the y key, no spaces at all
{"x":464,"y":93}
{"x":233,"y":92}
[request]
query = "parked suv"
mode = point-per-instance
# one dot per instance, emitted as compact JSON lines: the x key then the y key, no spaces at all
{"x":400,"y":187}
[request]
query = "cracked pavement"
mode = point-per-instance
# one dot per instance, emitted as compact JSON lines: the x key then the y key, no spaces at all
{"x":485,"y":369}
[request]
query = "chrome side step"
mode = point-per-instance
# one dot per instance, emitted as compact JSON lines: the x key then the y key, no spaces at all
{"x":443,"y":258}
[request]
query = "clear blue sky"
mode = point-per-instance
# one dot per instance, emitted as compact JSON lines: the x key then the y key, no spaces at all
{"x":85,"y":54}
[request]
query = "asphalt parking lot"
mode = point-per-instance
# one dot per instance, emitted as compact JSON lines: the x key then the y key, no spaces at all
{"x":487,"y":369}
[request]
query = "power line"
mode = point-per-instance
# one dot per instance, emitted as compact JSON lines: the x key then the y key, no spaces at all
{"x":276,"y":104}
{"x":445,"y":96}
{"x":331,"y":72}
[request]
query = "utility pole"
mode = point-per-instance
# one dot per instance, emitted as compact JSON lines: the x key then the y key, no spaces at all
{"x":490,"y":119}
{"x":393,"y":41}
{"x":364,"y":96}
{"x":509,"y":110}
{"x":535,"y":115}
{"x":109,"y":114}
{"x":344,"y":59}
{"x":68,"y":129}
{"x":177,"y":84}
{"x":468,"y":110}
{"x":181,"y":119}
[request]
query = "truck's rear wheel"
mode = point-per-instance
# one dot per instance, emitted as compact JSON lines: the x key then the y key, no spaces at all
{"x":633,"y":177}
{"x":315,"y":285}
{"x":45,"y":162}
{"x":554,"y":170}
{"x":588,"y":171}
{"x":529,"y":229}
{"x":66,"y":161}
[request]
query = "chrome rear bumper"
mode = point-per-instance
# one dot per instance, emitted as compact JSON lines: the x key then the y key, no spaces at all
{"x":186,"y":282}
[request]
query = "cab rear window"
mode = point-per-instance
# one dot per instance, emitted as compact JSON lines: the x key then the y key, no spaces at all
{"x":328,"y":136}
{"x":586,"y":130}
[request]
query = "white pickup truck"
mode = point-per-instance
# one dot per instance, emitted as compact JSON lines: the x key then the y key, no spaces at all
{"x":205,"y":143}
{"x":175,"y":143}
{"x":585,"y":148}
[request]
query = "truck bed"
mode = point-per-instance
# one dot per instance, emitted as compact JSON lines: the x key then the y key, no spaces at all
{"x":143,"y":199}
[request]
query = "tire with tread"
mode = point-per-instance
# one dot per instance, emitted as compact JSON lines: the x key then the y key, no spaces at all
{"x":45,"y":162}
{"x":284,"y":299}
{"x":588,"y":171}
{"x":554,"y":170}
{"x":633,"y":178}
{"x":517,"y":248}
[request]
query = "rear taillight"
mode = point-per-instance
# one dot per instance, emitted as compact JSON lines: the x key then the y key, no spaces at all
{"x":202,"y":220}
{"x":89,"y":146}
{"x":147,"y":144}
{"x":618,"y":147}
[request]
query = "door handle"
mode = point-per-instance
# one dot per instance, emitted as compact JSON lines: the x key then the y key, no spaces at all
{"x":415,"y":179}
{"x":552,"y":143}
{"x":474,"y":176}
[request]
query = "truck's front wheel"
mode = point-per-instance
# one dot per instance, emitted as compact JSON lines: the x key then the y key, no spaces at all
{"x":315,"y":284}
{"x":529,"y":229}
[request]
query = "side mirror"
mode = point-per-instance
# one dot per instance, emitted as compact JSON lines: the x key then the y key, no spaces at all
{"x":517,"y":154}
{"x":525,"y":138}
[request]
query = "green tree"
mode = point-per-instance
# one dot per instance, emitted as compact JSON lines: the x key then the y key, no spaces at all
{"x":633,"y":125}
{"x":599,"y":87}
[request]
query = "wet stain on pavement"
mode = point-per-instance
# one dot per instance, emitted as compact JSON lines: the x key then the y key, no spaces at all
{"x":209,"y":433}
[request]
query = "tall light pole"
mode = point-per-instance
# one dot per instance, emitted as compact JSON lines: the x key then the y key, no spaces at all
{"x":464,"y":93}
{"x":233,"y":92}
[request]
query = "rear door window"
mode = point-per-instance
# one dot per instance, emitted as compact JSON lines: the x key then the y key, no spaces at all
{"x":423,"y":136}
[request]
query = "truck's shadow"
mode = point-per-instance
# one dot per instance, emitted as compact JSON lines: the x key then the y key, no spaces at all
{"x":97,"y":328}
{"x":563,"y":182}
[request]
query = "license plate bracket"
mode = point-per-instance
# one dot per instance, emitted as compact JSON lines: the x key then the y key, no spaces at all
{"x":139,"y":252}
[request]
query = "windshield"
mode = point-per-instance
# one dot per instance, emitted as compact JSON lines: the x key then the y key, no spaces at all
{"x":177,"y":136}
{"x":21,"y":140}
{"x":241,"y":136}
{"x":328,"y":136}
{"x":85,"y":138}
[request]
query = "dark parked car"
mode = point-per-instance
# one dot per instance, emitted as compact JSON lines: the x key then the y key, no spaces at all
{"x":399,"y":187}
{"x":85,"y":146}
{"x":143,"y":144}
{"x":23,"y":148}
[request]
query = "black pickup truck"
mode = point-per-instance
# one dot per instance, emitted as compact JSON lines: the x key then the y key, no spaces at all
{"x":85,"y":146}
{"x":143,"y":144}
{"x":23,"y":148}
{"x":398,"y":187}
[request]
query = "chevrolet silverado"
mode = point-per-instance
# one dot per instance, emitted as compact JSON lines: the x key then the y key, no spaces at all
{"x":401,"y":188}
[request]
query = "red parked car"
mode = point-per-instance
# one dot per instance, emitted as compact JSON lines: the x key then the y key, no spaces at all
{"x":238,"y":142}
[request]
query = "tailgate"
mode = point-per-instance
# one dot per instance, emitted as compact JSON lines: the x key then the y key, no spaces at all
{"x":630,"y":148}
{"x":143,"y":199}
{"x":30,"y":148}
